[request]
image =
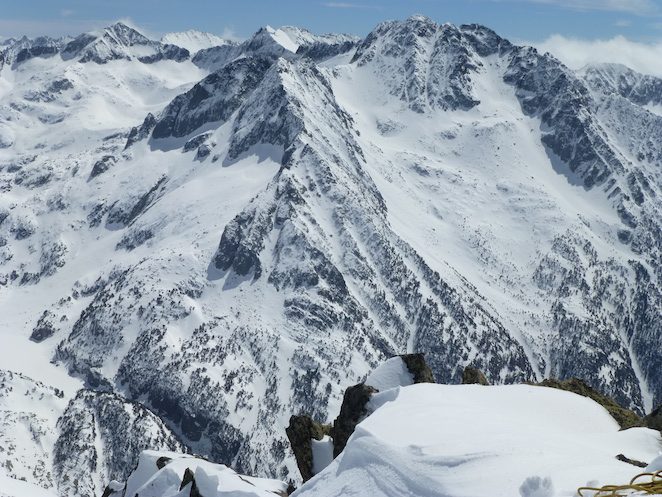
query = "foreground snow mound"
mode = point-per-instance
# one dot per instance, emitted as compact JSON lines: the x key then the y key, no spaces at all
{"x":390,"y":374}
{"x":472,"y":440}
{"x":169,"y":474}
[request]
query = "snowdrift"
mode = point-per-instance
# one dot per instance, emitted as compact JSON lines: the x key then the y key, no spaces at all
{"x":473,"y":441}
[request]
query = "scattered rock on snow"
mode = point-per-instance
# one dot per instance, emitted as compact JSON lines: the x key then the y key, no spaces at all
{"x":418,"y":368}
{"x":473,"y":376}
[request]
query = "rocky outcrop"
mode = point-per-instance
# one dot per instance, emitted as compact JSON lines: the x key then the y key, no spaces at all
{"x":473,"y":376}
{"x":428,"y":65}
{"x":301,"y":430}
{"x":352,"y":412}
{"x":141,"y":132}
{"x":654,"y":419}
{"x":418,"y":368}
{"x":102,"y":165}
{"x":214,"y":99}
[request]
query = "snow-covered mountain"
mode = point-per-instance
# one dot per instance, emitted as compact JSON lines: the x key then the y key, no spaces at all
{"x":195,"y":247}
{"x":193,"y":40}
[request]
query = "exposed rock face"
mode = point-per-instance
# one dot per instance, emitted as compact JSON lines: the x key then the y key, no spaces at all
{"x":215,"y":98}
{"x":352,"y":412}
{"x":624,"y":417}
{"x":654,"y":419}
{"x":428,"y":65}
{"x":473,"y":376}
{"x":418,"y":367}
{"x":641,"y":89}
{"x":102,"y":165}
{"x":24,"y":49}
{"x":141,"y":132}
{"x":300,"y":432}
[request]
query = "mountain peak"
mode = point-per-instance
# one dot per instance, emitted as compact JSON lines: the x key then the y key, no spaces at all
{"x":126,"y":35}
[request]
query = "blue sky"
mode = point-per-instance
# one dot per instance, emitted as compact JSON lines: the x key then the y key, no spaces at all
{"x":531,"y":20}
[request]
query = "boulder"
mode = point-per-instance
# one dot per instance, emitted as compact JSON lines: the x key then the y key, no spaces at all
{"x":301,"y":430}
{"x":473,"y":376}
{"x":352,"y":412}
{"x":190,"y":478}
{"x":418,"y":368}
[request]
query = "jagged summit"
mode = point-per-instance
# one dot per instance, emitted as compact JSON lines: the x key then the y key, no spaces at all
{"x":429,"y":65}
{"x":288,"y":42}
{"x":117,"y":42}
{"x":639,"y":88}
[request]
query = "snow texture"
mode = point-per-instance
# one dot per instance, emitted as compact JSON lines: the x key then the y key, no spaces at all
{"x":160,"y":474}
{"x":467,"y":440}
{"x":390,"y":374}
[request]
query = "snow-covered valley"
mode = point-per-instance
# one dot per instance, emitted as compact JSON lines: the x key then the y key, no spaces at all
{"x":201,"y":237}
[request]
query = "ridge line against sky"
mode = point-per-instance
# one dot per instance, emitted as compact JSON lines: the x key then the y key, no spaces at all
{"x":576,"y":31}
{"x":640,"y":20}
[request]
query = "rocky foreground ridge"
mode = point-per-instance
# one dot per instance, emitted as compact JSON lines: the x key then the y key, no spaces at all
{"x":316,"y":445}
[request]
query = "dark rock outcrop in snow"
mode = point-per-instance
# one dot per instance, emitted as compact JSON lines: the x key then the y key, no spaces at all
{"x":352,"y":412}
{"x":473,"y":376}
{"x":418,"y":368}
{"x":654,"y":419}
{"x":300,"y":432}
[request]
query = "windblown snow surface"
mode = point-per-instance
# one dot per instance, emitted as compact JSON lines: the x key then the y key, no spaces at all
{"x":473,"y":441}
{"x":429,"y":440}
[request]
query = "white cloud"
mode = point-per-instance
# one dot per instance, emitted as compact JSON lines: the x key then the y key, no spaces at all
{"x":576,"y":53}
{"x":639,"y":7}
{"x":623,"y":23}
{"x":230,"y":34}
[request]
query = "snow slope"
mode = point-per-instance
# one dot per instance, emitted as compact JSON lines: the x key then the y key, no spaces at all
{"x":475,"y":441}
